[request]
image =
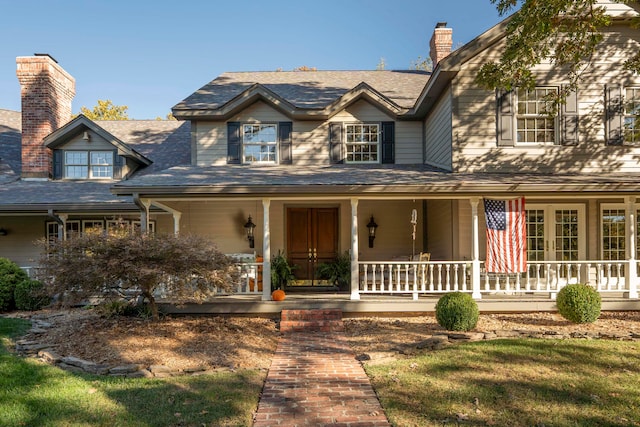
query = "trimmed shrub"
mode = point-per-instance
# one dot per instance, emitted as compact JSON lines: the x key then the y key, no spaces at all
{"x":457,"y":311}
{"x":30,"y":295}
{"x":579,"y":303}
{"x":124,"y":308}
{"x":10,"y":276}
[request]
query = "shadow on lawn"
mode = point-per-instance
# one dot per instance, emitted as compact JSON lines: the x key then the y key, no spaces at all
{"x":35,"y":394}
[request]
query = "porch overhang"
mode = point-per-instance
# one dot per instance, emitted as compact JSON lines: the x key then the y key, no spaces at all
{"x":393,"y":181}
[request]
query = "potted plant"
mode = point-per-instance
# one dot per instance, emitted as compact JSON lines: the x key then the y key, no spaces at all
{"x":338,"y":271}
{"x":281,"y":275}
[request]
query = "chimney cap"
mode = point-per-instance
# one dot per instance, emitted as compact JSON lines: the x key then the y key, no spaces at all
{"x":441,"y":25}
{"x":46,"y":54}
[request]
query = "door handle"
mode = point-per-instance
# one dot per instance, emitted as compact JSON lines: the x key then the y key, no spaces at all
{"x":315,"y":254}
{"x":310,"y":254}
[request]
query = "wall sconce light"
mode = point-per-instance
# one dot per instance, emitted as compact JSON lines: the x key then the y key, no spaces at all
{"x":3,"y":232}
{"x":249,"y":227}
{"x":86,"y":136}
{"x":372,"y":231}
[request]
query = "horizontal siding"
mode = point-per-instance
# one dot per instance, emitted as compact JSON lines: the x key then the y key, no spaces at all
{"x":475,"y":118}
{"x":438,"y":131}
{"x":310,"y":138}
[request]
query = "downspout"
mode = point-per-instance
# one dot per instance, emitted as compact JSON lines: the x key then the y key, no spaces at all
{"x":61,"y":220}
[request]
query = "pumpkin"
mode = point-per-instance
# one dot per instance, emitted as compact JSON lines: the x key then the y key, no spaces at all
{"x":278,"y":295}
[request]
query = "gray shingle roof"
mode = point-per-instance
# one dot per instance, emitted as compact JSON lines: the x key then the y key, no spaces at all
{"x":380,"y":180}
{"x":309,"y":89}
{"x":166,"y":143}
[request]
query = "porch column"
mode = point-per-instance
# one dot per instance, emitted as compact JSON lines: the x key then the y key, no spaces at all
{"x":266,"y":251}
{"x":355,"y":287}
{"x":632,"y":273}
{"x":144,"y":206}
{"x":475,"y":254}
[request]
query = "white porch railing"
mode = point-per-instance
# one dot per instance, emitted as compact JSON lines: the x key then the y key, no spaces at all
{"x":542,"y":277}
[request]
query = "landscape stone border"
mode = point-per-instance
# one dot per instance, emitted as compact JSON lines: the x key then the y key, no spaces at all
{"x":45,"y":353}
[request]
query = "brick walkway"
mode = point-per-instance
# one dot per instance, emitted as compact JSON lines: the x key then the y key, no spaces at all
{"x":315,"y":380}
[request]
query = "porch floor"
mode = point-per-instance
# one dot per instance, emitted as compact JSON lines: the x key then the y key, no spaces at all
{"x":379,"y":305}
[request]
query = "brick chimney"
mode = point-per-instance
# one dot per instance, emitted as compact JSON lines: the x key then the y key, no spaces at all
{"x":46,"y":91}
{"x":441,"y":42}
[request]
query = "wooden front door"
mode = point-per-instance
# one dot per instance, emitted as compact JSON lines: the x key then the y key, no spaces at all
{"x":312,"y":239}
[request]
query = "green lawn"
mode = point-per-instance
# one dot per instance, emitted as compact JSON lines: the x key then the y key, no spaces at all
{"x":515,"y":382}
{"x":35,"y":394}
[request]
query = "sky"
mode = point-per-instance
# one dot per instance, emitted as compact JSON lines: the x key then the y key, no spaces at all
{"x":150,"y":55}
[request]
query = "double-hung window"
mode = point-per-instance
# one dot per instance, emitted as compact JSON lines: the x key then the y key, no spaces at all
{"x":88,"y":164}
{"x":260,"y":143}
{"x":632,"y":115}
{"x":362,"y":143}
{"x":533,"y":123}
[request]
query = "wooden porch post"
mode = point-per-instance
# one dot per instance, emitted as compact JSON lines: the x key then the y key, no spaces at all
{"x":143,"y":205}
{"x":475,"y":255}
{"x":632,"y":273}
{"x":266,"y":251}
{"x":355,"y":287}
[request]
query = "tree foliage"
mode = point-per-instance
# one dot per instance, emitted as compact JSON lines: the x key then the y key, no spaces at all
{"x":106,"y":110}
{"x":565,"y":32}
{"x":185,"y":267}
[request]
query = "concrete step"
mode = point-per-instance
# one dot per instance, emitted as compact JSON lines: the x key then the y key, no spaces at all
{"x":323,"y":320}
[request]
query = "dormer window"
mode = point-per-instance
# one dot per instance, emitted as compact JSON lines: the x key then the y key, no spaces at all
{"x":260,"y":142}
{"x":88,"y":164}
{"x":363,"y":143}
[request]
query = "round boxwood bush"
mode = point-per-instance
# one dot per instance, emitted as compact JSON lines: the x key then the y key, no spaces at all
{"x":579,"y":303}
{"x":10,"y":276}
{"x":30,"y":295}
{"x":457,"y":311}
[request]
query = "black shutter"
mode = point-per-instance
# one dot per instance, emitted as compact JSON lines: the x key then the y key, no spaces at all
{"x":614,"y":109}
{"x":285,"y":145}
{"x":335,"y":142}
{"x":505,"y":119}
{"x":388,"y":142}
{"x":234,"y":143}
{"x":118,"y":165}
{"x":569,"y":119}
{"x":57,"y":164}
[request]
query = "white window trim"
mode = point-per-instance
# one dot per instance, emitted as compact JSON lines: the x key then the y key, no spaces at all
{"x":89,"y":165}
{"x":275,"y":144}
{"x":621,"y":207}
{"x":378,"y":144}
{"x":516,"y":116}
{"x":626,"y":115}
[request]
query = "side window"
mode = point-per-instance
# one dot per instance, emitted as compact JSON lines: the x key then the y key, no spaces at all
{"x":522,"y":118}
{"x":632,"y":115}
{"x":533,"y":124}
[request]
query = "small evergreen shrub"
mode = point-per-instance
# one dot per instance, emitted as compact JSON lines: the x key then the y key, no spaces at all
{"x":10,"y":276}
{"x":457,"y":311}
{"x":123,"y":308}
{"x":579,"y":303}
{"x":30,"y":295}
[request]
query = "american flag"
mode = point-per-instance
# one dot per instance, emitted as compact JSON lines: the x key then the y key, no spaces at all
{"x":506,"y":236}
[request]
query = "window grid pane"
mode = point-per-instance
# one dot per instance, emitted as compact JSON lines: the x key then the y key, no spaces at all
{"x":535,"y":235}
{"x":88,"y":164}
{"x":632,"y":115}
{"x":533,"y":125}
{"x":259,"y":143}
{"x":613,"y":234}
{"x":362,"y":142}
{"x":567,"y":235}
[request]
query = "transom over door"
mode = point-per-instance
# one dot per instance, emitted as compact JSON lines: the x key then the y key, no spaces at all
{"x":312,"y":239}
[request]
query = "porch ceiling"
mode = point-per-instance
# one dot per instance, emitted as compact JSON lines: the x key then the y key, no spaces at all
{"x":358,"y":180}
